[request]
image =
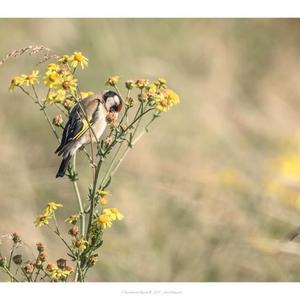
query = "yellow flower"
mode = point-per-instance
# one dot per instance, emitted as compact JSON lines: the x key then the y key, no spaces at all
{"x":162,"y":80}
{"x":31,"y":79}
{"x":73,"y":219}
{"x":56,"y":96}
{"x":16,"y":81}
{"x":42,"y":220}
{"x":162,"y":104}
{"x":141,"y":83}
{"x":104,"y":221}
{"x":78,"y":59}
{"x":80,"y":244}
{"x":129,"y":84}
{"x":86,"y":94}
{"x":113,"y":213}
{"x":51,"y":207}
{"x":103,"y":201}
{"x":52,"y":79}
{"x":171,"y":96}
{"x":112,"y":80}
{"x":102,"y":193}
{"x":69,"y":83}
{"x":166,"y":99}
{"x":151,"y":88}
{"x":57,"y":274}
{"x":64,"y":59}
{"x":53,"y":68}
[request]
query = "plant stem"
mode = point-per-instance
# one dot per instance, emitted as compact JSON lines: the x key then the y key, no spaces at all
{"x":12,"y":277}
{"x":77,"y":192}
{"x":92,"y":197}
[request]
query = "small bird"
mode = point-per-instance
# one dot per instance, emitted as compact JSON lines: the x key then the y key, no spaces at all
{"x":78,"y":132}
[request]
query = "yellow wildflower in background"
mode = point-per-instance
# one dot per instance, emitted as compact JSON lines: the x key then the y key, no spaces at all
{"x":42,"y":220}
{"x":52,"y":79}
{"x":104,"y":221}
{"x":102,"y":193}
{"x":56,"y":96}
{"x":47,"y":214}
{"x":113,"y":213}
{"x":31,"y":79}
{"x":112,"y":80}
{"x":64,"y":59}
{"x":16,"y":81}
{"x":69,"y":83}
{"x":58,"y":274}
{"x":166,"y":99}
{"x":80,"y":244}
{"x":86,"y":94}
{"x":151,"y":88}
{"x":103,"y":201}
{"x":78,"y":59}
{"x":73,"y":219}
{"x":54,"y":68}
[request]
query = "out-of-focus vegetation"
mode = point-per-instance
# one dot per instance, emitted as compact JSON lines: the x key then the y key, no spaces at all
{"x":212,"y":193}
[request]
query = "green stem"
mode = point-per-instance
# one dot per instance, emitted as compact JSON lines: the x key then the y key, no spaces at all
{"x":77,"y":192}
{"x":93,"y":195}
{"x":12,"y":277}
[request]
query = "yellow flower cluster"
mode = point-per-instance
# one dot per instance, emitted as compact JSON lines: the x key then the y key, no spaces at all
{"x":59,"y":274}
{"x":29,"y":79}
{"x":156,"y":94}
{"x":75,"y":60}
{"x":47,"y":214}
{"x":80,"y":244}
{"x":60,"y":81}
{"x":108,"y":216}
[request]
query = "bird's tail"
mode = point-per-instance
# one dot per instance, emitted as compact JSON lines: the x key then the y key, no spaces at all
{"x":63,"y":166}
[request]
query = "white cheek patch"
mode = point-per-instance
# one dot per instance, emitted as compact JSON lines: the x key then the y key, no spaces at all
{"x":116,"y":100}
{"x":109,"y":102}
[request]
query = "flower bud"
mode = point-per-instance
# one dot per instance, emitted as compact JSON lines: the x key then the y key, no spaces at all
{"x":74,"y":230}
{"x":68,"y":103}
{"x":17,"y":259}
{"x":57,"y":120}
{"x":129,"y":84}
{"x":141,"y":83}
{"x":112,"y":80}
{"x":143,"y":97}
{"x":93,"y":259}
{"x":40,"y":247}
{"x":61,"y":263}
{"x":28,"y":268}
{"x":42,"y":257}
{"x":108,"y":140}
{"x":103,"y":201}
{"x":50,"y":267}
{"x":16,"y":238}
{"x":129,"y":101}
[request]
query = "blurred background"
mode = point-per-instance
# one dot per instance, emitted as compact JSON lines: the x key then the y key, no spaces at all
{"x":213,"y":191}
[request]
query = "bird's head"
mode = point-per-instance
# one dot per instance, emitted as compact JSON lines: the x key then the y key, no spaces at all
{"x":112,"y":101}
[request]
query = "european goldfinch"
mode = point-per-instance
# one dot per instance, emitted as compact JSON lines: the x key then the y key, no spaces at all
{"x":77,"y":131}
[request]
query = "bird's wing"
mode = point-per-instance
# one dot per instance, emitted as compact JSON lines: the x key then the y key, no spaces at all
{"x":76,"y":126}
